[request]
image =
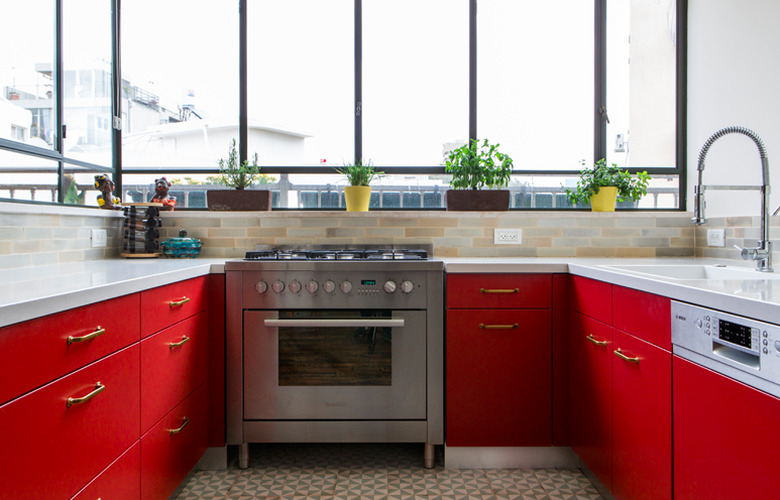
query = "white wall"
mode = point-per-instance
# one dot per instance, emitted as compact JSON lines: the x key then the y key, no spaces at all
{"x":733,"y":79}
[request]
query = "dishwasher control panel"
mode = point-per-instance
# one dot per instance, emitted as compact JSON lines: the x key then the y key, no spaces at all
{"x":745,"y":344}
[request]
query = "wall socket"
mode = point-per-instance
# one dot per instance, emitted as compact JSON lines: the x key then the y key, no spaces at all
{"x":716,"y":237}
{"x":508,"y":236}
{"x":98,"y":238}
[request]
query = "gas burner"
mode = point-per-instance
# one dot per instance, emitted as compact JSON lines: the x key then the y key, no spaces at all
{"x":340,"y":254}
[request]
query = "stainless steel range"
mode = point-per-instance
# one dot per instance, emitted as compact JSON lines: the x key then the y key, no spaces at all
{"x":331,"y":345}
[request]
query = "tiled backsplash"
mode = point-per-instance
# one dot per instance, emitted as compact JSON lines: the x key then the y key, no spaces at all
{"x":741,"y":231}
{"x":47,"y":235}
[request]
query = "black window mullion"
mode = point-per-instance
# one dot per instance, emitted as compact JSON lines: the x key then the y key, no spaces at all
{"x":600,"y":81}
{"x":243,"y":118}
{"x":358,"y":80}
{"x":472,"y":70}
{"x":58,"y":107}
{"x":681,"y":133}
{"x":116,"y":97}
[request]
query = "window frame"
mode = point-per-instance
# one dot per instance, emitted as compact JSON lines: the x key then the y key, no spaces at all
{"x":599,"y":107}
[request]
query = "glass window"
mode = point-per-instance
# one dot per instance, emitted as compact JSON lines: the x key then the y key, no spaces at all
{"x":535,"y":81}
{"x":26,"y":177}
{"x":415,"y":80}
{"x":301,"y":82}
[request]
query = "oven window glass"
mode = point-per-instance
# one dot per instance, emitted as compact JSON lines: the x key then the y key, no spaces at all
{"x":335,"y":355}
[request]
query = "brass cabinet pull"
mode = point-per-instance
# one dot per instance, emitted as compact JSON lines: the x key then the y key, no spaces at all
{"x":601,"y":343}
{"x":178,"y":303}
{"x":184,"y":340}
{"x":622,"y":356}
{"x":498,"y":327}
{"x":98,"y":332}
{"x":183,"y":425}
{"x":77,"y":401}
{"x":499,"y":290}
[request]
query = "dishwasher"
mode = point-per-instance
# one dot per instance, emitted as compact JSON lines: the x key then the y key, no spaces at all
{"x":726,"y":404}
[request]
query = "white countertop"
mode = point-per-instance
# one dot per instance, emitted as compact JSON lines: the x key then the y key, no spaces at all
{"x":33,"y":292}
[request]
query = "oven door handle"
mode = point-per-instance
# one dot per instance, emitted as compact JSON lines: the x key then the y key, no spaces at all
{"x":351,"y":323}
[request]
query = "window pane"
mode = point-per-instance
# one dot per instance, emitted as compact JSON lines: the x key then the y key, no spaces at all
{"x":415,"y":80}
{"x":641,"y":91}
{"x":179,"y":82}
{"x":25,"y":177}
{"x":27,"y":39}
{"x":87,"y":75}
{"x":535,"y":81}
{"x":301,"y":89}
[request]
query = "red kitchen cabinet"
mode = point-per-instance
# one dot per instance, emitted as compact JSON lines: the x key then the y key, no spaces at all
{"x":163,"y":306}
{"x":173,"y":446}
{"x":725,"y":437}
{"x":73,"y":427}
{"x":592,"y":298}
{"x":590,"y":390}
{"x":120,"y":481}
{"x":641,"y":419}
{"x":645,"y":315}
{"x":499,"y":360}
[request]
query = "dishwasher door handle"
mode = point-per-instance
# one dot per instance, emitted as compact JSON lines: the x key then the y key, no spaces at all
{"x":349,"y":323}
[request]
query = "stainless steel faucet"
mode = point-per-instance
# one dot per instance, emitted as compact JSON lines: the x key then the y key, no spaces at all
{"x":762,"y":253}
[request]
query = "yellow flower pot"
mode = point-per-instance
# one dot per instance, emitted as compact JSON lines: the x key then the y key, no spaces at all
{"x":604,"y":200}
{"x":357,"y":198}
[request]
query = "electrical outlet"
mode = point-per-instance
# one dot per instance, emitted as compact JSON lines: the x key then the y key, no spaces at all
{"x":98,"y":238}
{"x":507,"y":236}
{"x":716,"y":237}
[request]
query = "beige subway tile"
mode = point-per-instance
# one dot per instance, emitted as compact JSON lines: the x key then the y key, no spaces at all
{"x":597,"y":221}
{"x":5,"y":247}
{"x":452,"y":242}
{"x":438,"y":222}
{"x":681,"y":242}
{"x":674,"y":252}
{"x":426,"y":232}
{"x":571,"y":242}
{"x":513,"y":251}
{"x":650,"y":242}
{"x":611,"y":242}
{"x":444,"y":252}
{"x":67,"y":256}
{"x":479,"y":222}
{"x":383,"y":232}
{"x":219,"y":242}
{"x":295,"y":232}
{"x":11,"y":233}
{"x":15,"y":260}
{"x":359,"y":222}
{"x":465,"y":232}
{"x":26,"y":246}
{"x":635,"y":252}
{"x":517,"y":222}
{"x":286,"y":222}
{"x":660,"y":232}
{"x":556,"y":252}
{"x":546,"y":232}
{"x":620,"y":232}
{"x":740,"y":221}
{"x":595,"y":252}
{"x":561,"y":222}
{"x":227,"y":232}
{"x":266,"y":232}
{"x":242,"y":222}
{"x":320,"y":222}
{"x":674,"y":221}
{"x":582,"y":232}
{"x":635,"y":221}
{"x":343,"y":232}
{"x":400,"y":222}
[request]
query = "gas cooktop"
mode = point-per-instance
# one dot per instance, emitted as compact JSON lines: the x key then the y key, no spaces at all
{"x":337,"y":254}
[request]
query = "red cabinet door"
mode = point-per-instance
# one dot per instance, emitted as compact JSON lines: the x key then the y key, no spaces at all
{"x":642,"y":420}
{"x":163,"y":306}
{"x":173,"y":363}
{"x":120,"y":481}
{"x":52,"y":450}
{"x":592,"y":298}
{"x":174,"y":445}
{"x":590,"y":390}
{"x":499,"y":377}
{"x":643,"y":315}
{"x":499,"y":291}
{"x":725,"y":437}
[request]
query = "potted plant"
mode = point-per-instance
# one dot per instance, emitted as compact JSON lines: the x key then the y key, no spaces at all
{"x":602,"y":185}
{"x":358,"y":194}
{"x":239,"y":177}
{"x":474,"y":167}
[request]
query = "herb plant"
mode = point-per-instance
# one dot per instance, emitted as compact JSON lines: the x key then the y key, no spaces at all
{"x":601,"y":175}
{"x":474,"y":166}
{"x":235,"y":175}
{"x":359,"y":173}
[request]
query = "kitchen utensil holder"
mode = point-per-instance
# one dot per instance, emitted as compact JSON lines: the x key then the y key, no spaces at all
{"x":140,"y":231}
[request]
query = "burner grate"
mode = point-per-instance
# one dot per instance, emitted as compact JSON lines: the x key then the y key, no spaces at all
{"x":344,"y":254}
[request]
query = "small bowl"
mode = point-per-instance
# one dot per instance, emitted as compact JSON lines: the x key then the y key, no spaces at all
{"x":182,"y":247}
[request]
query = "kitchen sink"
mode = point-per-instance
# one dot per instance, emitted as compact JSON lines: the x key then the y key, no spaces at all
{"x":696,"y":272}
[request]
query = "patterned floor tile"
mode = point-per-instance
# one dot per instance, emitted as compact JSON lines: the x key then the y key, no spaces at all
{"x":567,"y":483}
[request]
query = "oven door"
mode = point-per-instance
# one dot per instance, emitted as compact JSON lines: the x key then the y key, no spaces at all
{"x":334,"y":365}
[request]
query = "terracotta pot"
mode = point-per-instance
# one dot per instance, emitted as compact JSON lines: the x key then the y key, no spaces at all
{"x":243,"y":200}
{"x":475,"y":200}
{"x":357,"y":198}
{"x":604,"y":200}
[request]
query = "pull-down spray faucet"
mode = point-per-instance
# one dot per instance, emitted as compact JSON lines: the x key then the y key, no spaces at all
{"x":762,"y":253}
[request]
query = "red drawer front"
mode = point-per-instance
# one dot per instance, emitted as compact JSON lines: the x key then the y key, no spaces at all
{"x":643,"y":315}
{"x":170,"y":372}
{"x":169,"y":304}
{"x":499,"y":381}
{"x":166,"y":458}
{"x":496,"y":291}
{"x":592,"y":298}
{"x":52,"y":451}
{"x":120,"y":481}
{"x":36,"y":352}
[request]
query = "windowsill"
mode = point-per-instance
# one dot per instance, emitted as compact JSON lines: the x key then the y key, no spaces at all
{"x":34,"y":208}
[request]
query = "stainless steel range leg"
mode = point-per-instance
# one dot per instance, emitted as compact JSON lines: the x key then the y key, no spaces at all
{"x":243,"y":456}
{"x":429,"y":456}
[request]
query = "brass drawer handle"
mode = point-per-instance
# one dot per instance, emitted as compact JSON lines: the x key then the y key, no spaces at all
{"x":183,"y":425}
{"x":602,"y":343}
{"x":178,"y":303}
{"x":77,"y":401}
{"x":622,"y":356}
{"x":98,"y":332}
{"x":499,"y":290}
{"x":184,"y":340}
{"x":498,"y":327}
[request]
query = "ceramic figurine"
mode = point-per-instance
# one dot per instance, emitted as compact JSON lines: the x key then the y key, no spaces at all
{"x":106,"y":199}
{"x":161,"y":187}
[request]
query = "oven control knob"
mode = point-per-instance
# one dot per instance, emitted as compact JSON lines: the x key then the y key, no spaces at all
{"x":278,"y":286}
{"x":261,"y":287}
{"x":329,"y":286}
{"x":312,"y":286}
{"x":346,"y":286}
{"x":294,"y":286}
{"x":407,"y":286}
{"x":390,"y":286}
